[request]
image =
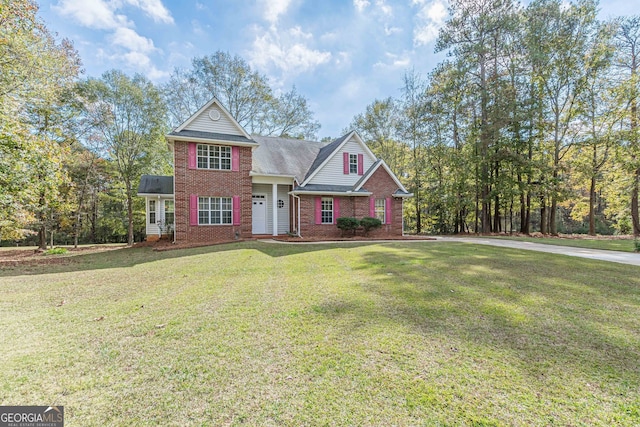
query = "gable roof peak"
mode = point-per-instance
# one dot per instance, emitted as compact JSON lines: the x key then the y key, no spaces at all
{"x":205,"y":107}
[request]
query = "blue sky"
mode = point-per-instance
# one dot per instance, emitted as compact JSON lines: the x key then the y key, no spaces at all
{"x":340,"y":54}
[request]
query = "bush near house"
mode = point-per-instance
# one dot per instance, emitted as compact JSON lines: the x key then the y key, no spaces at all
{"x":369,"y":223}
{"x":348,"y":225}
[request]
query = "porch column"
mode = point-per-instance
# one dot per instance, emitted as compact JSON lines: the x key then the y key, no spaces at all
{"x":274,"y":208}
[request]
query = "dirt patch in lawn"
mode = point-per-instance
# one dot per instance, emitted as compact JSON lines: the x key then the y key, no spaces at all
{"x":30,"y":256}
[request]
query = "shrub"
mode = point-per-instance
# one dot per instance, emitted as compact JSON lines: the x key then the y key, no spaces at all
{"x":369,"y":224}
{"x":348,"y":224}
{"x":636,"y":245}
{"x":56,"y":251}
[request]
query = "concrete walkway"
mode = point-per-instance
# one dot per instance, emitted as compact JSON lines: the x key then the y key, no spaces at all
{"x":602,"y":255}
{"x":612,"y":256}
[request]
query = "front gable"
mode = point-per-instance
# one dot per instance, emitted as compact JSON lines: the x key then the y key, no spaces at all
{"x":335,"y":168}
{"x":212,"y":123}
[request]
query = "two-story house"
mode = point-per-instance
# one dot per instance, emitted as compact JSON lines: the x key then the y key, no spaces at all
{"x":228,"y":184}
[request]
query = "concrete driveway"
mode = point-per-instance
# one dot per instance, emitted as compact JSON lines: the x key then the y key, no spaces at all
{"x":612,"y":256}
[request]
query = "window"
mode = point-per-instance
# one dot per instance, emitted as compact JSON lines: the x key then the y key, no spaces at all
{"x":214,"y":210}
{"x":327,"y":210}
{"x":152,"y":211}
{"x":214,"y":157}
{"x":353,"y":163}
{"x":169,"y":216}
{"x":380,"y":210}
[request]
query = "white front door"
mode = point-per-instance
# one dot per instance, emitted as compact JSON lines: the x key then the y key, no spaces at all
{"x":259,"y":214}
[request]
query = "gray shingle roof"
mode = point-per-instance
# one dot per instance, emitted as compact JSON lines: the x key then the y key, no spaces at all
{"x":283,"y":156}
{"x":212,"y":135}
{"x":329,"y":188}
{"x":324,"y":154}
{"x":154,"y":184}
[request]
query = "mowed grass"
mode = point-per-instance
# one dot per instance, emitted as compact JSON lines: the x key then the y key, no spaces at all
{"x":419,"y":333}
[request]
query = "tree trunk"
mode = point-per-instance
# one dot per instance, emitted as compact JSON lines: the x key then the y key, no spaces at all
{"x":543,"y":215}
{"x":130,"y":215}
{"x":592,"y":203}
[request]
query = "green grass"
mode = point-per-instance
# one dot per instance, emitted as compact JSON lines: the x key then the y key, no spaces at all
{"x":624,"y":245}
{"x":253,"y":333}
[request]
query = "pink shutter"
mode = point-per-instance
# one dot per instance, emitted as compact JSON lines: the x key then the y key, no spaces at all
{"x":345,"y":163}
{"x":360,"y":164}
{"x":388,"y":209}
{"x":336,"y":209}
{"x":235,"y":159}
{"x":318,"y":210}
{"x":193,"y":209}
{"x":236,"y":209}
{"x":192,"y":155}
{"x":372,"y":207}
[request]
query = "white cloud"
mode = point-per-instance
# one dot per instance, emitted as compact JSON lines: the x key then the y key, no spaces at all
{"x":430,"y":18}
{"x":394,"y":61}
{"x":391,"y":30}
{"x":142,"y":63}
{"x":274,"y":8}
{"x":361,"y":5}
{"x":153,"y":8}
{"x":288,"y":53}
{"x":384,"y":8}
{"x":129,"y":39}
{"x":96,"y":14}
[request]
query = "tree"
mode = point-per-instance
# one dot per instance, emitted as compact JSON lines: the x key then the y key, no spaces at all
{"x":627,"y":42}
{"x":244,"y":92}
{"x":130,"y":117}
{"x":36,"y":72}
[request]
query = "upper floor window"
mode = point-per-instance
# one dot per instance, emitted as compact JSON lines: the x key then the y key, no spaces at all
{"x":214,"y":157}
{"x":152,"y":211}
{"x":353,"y":163}
{"x":327,"y":210}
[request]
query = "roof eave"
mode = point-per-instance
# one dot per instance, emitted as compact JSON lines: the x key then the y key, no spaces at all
{"x":330,"y":193}
{"x":153,"y":194}
{"x":172,"y":138}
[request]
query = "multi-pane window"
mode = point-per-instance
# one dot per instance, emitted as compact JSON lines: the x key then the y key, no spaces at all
{"x":214,"y":157}
{"x":214,"y":210}
{"x":169,"y":210}
{"x":380,"y":209}
{"x":353,"y":163}
{"x":152,"y":211}
{"x":327,"y":210}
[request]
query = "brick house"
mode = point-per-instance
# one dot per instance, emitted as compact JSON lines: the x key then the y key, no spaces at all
{"x":228,"y":184}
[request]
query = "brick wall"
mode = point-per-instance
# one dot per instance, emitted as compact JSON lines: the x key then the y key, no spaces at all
{"x":210,"y":183}
{"x":380,"y":184}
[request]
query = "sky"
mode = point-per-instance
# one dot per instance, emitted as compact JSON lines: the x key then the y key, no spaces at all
{"x":340,"y":54}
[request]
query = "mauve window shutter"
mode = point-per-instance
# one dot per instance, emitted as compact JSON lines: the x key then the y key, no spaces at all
{"x":388,"y":206}
{"x":193,"y":209}
{"x":192,"y":155}
{"x":318,"y":210}
{"x":336,"y":209}
{"x":345,"y":163}
{"x":372,"y":207}
{"x":235,"y":159}
{"x":236,"y":210}
{"x":360,"y":164}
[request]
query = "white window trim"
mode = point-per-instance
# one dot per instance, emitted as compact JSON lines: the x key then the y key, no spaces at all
{"x":166,"y":211}
{"x":208,"y":157}
{"x":326,"y":211}
{"x":153,"y":211}
{"x":221,"y":211}
{"x":384,"y":210}
{"x":353,"y":162}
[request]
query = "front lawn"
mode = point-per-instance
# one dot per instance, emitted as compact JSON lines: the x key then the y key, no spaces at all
{"x":254,"y":333}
